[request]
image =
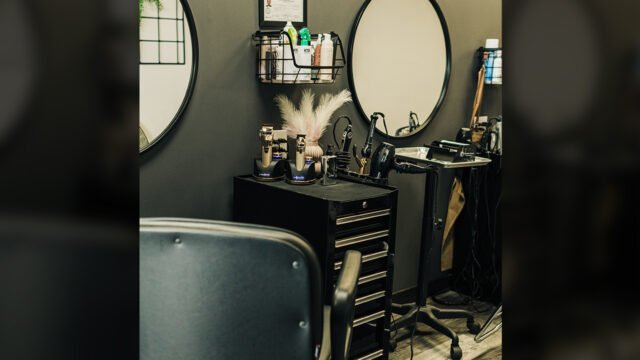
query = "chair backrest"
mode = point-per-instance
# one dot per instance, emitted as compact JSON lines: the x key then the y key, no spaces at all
{"x":220,"y":290}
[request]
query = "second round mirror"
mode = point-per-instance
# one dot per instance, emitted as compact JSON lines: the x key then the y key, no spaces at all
{"x":399,"y":63}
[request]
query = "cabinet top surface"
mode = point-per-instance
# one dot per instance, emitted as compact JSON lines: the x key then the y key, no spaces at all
{"x":342,"y":191}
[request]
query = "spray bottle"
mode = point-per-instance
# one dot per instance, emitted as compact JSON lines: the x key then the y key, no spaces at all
{"x":303,"y":54}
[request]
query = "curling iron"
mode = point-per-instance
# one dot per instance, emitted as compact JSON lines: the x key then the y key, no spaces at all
{"x":347,"y":135}
{"x":366,"y":149}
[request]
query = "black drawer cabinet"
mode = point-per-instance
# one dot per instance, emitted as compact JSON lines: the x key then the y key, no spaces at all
{"x":335,"y":219}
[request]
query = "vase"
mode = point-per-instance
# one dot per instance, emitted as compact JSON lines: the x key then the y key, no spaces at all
{"x":315,"y":151}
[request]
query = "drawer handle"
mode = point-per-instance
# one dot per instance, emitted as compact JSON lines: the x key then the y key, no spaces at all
{"x":373,"y":355}
{"x":368,"y":318}
{"x":365,"y":299}
{"x":361,"y":238}
{"x":372,"y":277}
{"x":366,"y":258}
{"x":361,"y":217}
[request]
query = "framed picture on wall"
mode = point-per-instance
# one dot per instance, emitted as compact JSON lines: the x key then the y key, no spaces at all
{"x":276,"y":13}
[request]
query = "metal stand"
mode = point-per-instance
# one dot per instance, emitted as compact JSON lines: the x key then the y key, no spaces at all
{"x":487,"y":330}
{"x":432,"y":228}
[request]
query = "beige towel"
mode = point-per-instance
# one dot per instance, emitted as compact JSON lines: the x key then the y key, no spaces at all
{"x":456,"y":203}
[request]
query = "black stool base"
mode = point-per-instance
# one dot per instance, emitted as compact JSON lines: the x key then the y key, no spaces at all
{"x":430,"y":316}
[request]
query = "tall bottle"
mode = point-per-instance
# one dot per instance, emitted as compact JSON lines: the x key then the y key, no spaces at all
{"x":264,"y":48}
{"x":317,"y":47}
{"x":303,"y":55}
{"x":488,"y":64}
{"x":497,"y":68}
{"x":326,"y":58}
{"x":289,"y":70}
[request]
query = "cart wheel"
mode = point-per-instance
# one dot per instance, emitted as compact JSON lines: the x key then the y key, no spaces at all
{"x":473,"y":327}
{"x":456,"y":352}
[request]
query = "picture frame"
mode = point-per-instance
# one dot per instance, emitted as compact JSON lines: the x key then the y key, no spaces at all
{"x":276,"y":13}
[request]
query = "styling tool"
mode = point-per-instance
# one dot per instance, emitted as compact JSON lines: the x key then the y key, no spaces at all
{"x":302,"y":170}
{"x":270,"y":166}
{"x":384,"y":160}
{"x":342,"y":153}
{"x":329,"y":170}
{"x":366,"y":149}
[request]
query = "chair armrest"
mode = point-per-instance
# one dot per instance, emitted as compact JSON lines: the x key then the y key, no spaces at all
{"x":342,"y":308}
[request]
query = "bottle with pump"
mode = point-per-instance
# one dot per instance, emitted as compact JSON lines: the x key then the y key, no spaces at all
{"x":326,"y":58}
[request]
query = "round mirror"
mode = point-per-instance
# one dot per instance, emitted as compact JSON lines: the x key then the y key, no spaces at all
{"x":168,"y":66}
{"x":399,"y":63}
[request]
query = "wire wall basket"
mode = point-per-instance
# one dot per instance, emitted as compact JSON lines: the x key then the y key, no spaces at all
{"x":492,"y":60}
{"x":279,"y":61}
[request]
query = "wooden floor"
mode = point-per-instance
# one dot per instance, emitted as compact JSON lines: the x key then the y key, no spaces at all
{"x":437,"y":346}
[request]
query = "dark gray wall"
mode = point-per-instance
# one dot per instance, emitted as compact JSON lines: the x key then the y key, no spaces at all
{"x":189,"y":173}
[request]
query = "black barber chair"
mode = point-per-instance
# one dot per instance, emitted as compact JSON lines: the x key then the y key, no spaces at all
{"x":220,"y":290}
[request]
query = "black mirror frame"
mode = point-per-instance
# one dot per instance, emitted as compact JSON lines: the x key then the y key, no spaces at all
{"x":445,"y":83}
{"x":192,"y":78}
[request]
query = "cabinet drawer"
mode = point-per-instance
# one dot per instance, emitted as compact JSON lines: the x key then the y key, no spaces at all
{"x":364,"y":279}
{"x":369,"y":257}
{"x":365,"y":341}
{"x":362,"y":223}
{"x":374,"y":287}
{"x":370,"y":287}
{"x":361,"y":238}
{"x":372,"y":355}
{"x":364,"y":248}
{"x":368,"y":308}
{"x":368,"y":318}
{"x":360,"y":206}
{"x":376,"y":268}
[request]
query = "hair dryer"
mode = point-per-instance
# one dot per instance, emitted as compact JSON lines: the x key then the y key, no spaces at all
{"x":384,"y":160}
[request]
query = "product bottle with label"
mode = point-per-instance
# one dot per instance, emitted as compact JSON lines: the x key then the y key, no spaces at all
{"x":497,"y":68}
{"x":317,"y":48}
{"x":326,"y":58}
{"x":303,"y":54}
{"x":264,"y":48}
{"x":289,"y":71}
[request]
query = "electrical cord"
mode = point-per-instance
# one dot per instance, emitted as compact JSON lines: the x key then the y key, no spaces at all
{"x":492,"y":235}
{"x":393,"y":326}
{"x":468,"y":273}
{"x":384,"y":122}
{"x":335,"y":123}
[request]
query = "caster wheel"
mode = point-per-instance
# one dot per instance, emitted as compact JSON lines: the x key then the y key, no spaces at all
{"x":456,"y":352}
{"x":473,"y":327}
{"x":393,"y":345}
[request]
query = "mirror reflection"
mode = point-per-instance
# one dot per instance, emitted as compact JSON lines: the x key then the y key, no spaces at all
{"x":399,"y":63}
{"x":167,"y":66}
